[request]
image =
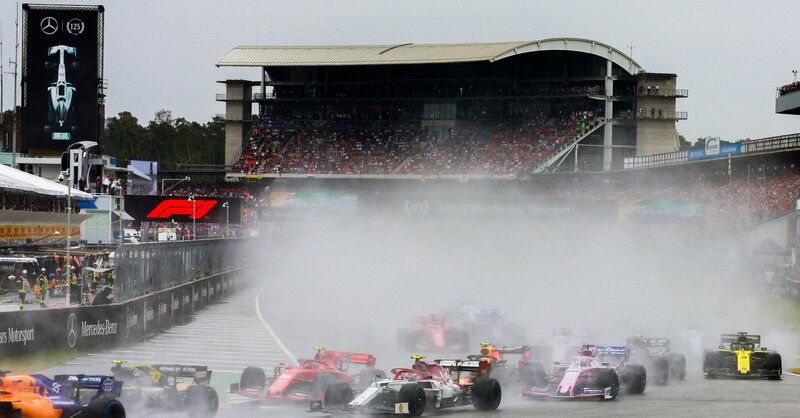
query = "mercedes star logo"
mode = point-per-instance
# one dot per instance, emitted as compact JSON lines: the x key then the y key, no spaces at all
{"x":72,"y":333}
{"x":49,"y":25}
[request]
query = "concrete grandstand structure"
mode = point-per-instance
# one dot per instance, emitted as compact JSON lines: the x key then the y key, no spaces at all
{"x":560,"y":104}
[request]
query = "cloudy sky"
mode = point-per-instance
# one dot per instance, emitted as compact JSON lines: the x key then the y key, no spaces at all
{"x":731,"y":55}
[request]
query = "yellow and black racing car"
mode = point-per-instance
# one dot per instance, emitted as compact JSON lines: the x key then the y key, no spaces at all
{"x":168,"y":387}
{"x":742,"y":356}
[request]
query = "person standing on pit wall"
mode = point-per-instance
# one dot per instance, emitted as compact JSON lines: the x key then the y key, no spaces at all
{"x":42,"y":285}
{"x":25,"y":277}
{"x":21,"y":290}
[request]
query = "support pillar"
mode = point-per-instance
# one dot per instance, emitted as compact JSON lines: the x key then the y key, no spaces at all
{"x":263,"y":92}
{"x":609,"y":115}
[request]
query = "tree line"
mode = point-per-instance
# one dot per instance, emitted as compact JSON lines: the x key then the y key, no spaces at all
{"x":166,"y":139}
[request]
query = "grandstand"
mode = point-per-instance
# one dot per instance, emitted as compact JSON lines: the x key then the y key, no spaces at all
{"x":484,"y":110}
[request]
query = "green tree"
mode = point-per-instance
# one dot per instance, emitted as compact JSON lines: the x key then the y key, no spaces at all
{"x":125,"y":137}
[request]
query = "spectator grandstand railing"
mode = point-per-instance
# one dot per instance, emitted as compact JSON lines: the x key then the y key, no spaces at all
{"x":268,"y":95}
{"x":665,"y":92}
{"x":656,"y":160}
{"x":150,"y":267}
{"x":651,"y":114}
{"x":773,"y":143}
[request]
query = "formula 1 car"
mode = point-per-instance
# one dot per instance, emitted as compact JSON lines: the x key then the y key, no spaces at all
{"x":162,"y":386}
{"x":563,"y":345}
{"x":654,"y":354}
{"x":63,"y":396}
{"x":428,"y":333}
{"x":310,"y":378}
{"x":441,"y":384}
{"x":525,"y":372}
{"x":592,"y":375}
{"x":743,"y":357}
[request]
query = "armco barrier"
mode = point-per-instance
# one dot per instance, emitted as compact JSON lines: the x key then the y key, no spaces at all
{"x":102,"y":327}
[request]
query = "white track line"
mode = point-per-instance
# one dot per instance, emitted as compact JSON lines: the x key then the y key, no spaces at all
{"x":793,"y":374}
{"x":271,"y":332}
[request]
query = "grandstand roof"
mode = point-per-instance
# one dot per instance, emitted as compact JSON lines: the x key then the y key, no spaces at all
{"x":14,"y":180}
{"x":342,"y":55}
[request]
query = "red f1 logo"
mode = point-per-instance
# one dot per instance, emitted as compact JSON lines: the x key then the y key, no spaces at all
{"x":171,"y":207}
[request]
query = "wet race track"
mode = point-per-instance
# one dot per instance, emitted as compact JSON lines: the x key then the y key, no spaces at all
{"x":230,"y":336}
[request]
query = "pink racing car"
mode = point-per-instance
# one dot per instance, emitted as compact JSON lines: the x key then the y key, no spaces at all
{"x":598,"y":372}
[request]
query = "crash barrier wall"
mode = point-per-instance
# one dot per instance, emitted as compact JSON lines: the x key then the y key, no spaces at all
{"x":107,"y":326}
{"x":148,"y":267}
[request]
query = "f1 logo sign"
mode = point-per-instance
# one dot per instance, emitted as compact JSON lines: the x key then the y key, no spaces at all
{"x":193,"y":209}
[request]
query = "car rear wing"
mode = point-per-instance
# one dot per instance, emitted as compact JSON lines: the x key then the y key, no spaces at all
{"x":200,"y":374}
{"x":476,"y":366}
{"x":612,"y":351}
{"x":514,"y":349}
{"x":103,"y":384}
{"x":427,"y":320}
{"x":341,"y":358}
{"x":650,"y":342}
{"x":732,"y":338}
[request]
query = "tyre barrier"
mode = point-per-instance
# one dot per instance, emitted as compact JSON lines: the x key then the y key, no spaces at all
{"x":108,"y":326}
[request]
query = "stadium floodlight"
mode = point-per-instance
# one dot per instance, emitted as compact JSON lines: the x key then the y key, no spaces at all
{"x":194,"y":213}
{"x":226,"y":205}
{"x":66,"y":175}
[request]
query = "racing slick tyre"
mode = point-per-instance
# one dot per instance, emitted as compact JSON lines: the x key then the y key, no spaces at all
{"x":608,"y":378}
{"x":414,"y":394}
{"x":253,"y":377}
{"x":533,"y":375}
{"x":203,"y":401}
{"x":634,"y":378}
{"x":661,"y":371}
{"x":337,"y":396}
{"x":321,"y":384}
{"x":677,"y":366}
{"x":774,"y":362}
{"x":366,"y":376}
{"x":711,"y":360}
{"x":486,"y":394}
{"x":104,"y":407}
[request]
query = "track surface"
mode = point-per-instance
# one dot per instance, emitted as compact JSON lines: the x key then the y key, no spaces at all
{"x":229,"y":336}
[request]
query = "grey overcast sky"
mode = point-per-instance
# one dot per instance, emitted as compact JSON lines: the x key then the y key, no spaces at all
{"x":731,"y":55}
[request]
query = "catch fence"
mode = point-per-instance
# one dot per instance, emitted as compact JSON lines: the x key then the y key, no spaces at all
{"x":148,"y":267}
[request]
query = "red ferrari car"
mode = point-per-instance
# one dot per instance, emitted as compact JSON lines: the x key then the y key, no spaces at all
{"x":310,"y":378}
{"x":429,"y":333}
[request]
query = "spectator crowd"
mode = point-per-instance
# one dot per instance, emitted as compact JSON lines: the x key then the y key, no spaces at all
{"x":342,"y":145}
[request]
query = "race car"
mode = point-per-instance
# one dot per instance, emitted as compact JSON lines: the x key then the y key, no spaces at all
{"x":310,"y":378}
{"x":440,"y":384}
{"x":162,"y":387}
{"x":654,"y":354}
{"x":562,"y":346}
{"x":78,"y":395}
{"x":741,"y":355}
{"x":524,"y":372}
{"x":598,"y":372}
{"x":428,"y":333}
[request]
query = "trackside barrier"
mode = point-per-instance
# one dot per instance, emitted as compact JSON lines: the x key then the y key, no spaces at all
{"x":155,"y":266}
{"x":108,"y":326}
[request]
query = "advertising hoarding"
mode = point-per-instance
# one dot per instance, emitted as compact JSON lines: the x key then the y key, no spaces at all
{"x":204,"y":209}
{"x":61,"y":75}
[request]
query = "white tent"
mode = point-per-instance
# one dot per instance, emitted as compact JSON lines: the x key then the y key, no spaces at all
{"x":12,"y":179}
